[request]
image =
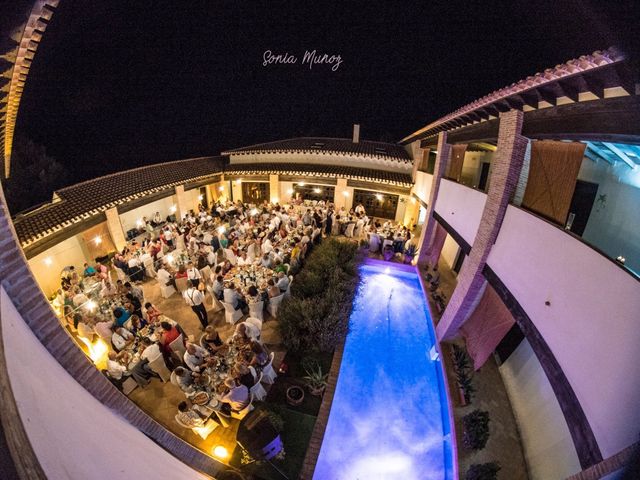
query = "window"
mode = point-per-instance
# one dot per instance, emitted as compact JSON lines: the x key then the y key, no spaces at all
{"x":253,"y":192}
{"x":380,"y":205}
{"x":314,"y":192}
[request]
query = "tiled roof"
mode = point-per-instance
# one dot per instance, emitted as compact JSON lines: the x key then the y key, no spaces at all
{"x":329,"y":145}
{"x":301,"y":169}
{"x":83,"y":200}
{"x":584,"y":74}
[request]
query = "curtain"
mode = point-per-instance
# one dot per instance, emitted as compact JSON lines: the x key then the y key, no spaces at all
{"x":553,"y":172}
{"x":486,"y":326}
{"x":454,"y":170}
{"x":433,"y":253}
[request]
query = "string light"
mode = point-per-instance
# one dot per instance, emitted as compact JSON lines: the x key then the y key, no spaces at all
{"x":274,"y":200}
{"x":221,"y":229}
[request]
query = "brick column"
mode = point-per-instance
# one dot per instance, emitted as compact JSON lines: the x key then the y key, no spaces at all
{"x":429,"y":227}
{"x":274,"y":188}
{"x":524,"y":176}
{"x":504,"y":178}
{"x":114,"y":225}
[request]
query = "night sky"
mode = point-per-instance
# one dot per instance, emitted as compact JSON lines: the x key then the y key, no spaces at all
{"x":120,"y":84}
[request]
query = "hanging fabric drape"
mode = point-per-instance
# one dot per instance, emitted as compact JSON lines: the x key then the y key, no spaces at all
{"x":486,"y":327}
{"x":454,"y":170}
{"x":553,"y":172}
{"x":433,"y":254}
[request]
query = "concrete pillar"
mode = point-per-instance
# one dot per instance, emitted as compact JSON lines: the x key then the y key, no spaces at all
{"x":180,"y":201}
{"x":236,"y":188}
{"x":286,"y":192}
{"x":411,"y":211}
{"x":504,"y":178}
{"x":274,"y":188}
{"x":429,"y":227}
{"x":343,"y":196}
{"x":114,"y":225}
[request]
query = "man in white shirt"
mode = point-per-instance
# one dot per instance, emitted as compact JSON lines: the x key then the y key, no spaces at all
{"x":192,"y":272}
{"x":236,"y":398}
{"x":151,"y":350}
{"x":234,"y":298}
{"x":121,"y":338}
{"x":195,"y":299}
{"x":195,"y":357}
{"x":283,"y":282}
{"x":108,"y":289}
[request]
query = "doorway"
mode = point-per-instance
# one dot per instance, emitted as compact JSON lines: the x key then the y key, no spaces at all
{"x":581,"y":204}
{"x":484,"y":176}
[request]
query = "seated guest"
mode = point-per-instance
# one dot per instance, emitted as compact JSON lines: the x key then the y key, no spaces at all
{"x":121,"y":338}
{"x":120,"y":288}
{"x":156,"y":220}
{"x":279,"y":267}
{"x":266,"y":261}
{"x":108,"y":290}
{"x":79,"y":298}
{"x":210,"y":340}
{"x":181,"y":273}
{"x":133,"y":305}
{"x":169,"y":334}
{"x":104,"y":329}
{"x":218,"y":287}
{"x":195,"y":357}
{"x":283,"y":282}
{"x":165,"y":278}
{"x":89,"y":271}
{"x":243,"y":375}
{"x":188,"y":417}
{"x":152,"y":313}
{"x":253,"y":295}
{"x":234,"y":298}
{"x":184,"y":378}
{"x":135,"y":324}
{"x":135,"y":291}
{"x":121,"y":315}
{"x":260,"y":356}
{"x":136,"y":272}
{"x":236,"y":398}
{"x":85,"y":326}
{"x":246,"y":330}
{"x":150,"y":350}
{"x":273,"y":290}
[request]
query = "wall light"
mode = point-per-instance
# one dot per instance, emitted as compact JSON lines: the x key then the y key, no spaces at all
{"x":413,"y":200}
{"x":379,"y":197}
{"x":139,"y":222}
{"x":97,"y":240}
{"x":170,"y":258}
{"x":290,"y":191}
{"x":621,"y":259}
{"x":345,"y":193}
{"x":239,"y":181}
{"x":317,"y":190}
{"x":221,"y":188}
{"x":221,"y":229}
{"x":274,"y":200}
{"x":48,"y":261}
{"x":173,"y":209}
{"x":301,"y":184}
{"x":200,"y":197}
{"x":220,"y":452}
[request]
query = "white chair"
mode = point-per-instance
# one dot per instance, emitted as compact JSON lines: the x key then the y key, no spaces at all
{"x":349,"y":231}
{"x":206,"y":273}
{"x":149,"y":269}
{"x":229,"y":255}
{"x":374,"y":242}
{"x":358,"y":231}
{"x":287,"y":293}
{"x":215,"y":303}
{"x":182,"y":284}
{"x":178,"y":348}
{"x":256,"y":322}
{"x":121,"y":275}
{"x":245,"y":411}
{"x":257,"y":391}
{"x":269,"y":375}
{"x":274,"y":304}
{"x":387,"y":242}
{"x":158,"y":366}
{"x":335,"y":228}
{"x":167,"y":290}
{"x":231,"y":315}
{"x":256,"y":310}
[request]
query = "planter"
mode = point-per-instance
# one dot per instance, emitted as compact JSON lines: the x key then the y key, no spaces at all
{"x":295,"y":395}
{"x":317,"y":391}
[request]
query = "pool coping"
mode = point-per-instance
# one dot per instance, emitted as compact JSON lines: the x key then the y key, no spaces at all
{"x":317,"y":435}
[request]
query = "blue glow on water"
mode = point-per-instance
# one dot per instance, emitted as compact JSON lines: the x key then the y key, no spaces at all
{"x":389,"y":417}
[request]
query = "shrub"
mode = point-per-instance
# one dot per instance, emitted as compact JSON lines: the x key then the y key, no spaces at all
{"x":463,"y":371}
{"x":476,"y":429}
{"x":483,"y":471}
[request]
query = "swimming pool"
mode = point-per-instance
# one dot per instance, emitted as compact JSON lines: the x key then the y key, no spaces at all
{"x":390,"y":416}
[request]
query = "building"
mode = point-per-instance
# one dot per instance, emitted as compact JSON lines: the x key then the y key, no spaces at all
{"x":529,"y":193}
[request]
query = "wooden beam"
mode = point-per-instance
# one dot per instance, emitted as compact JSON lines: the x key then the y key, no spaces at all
{"x":594,"y":85}
{"x":569,"y":89}
{"x":546,"y":95}
{"x":515,"y":102}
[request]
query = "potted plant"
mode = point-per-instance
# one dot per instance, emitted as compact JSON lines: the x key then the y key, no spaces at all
{"x":476,"y":429}
{"x":410,"y":253}
{"x":316,"y":381}
{"x":483,"y":471}
{"x":295,"y":395}
{"x":462,"y":370}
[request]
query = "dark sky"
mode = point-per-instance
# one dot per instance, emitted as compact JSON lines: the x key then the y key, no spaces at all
{"x":118,"y":84}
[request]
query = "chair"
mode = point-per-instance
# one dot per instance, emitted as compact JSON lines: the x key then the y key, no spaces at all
{"x":374,"y":242}
{"x":335,"y":228}
{"x":256,"y":322}
{"x":149,"y":269}
{"x":206,"y":273}
{"x":159,"y":367}
{"x":215,"y":303}
{"x":121,"y":275}
{"x":274,"y":304}
{"x":257,"y":391}
{"x":231,"y":315}
{"x":269,"y":375}
{"x":245,"y":411}
{"x":256,"y":310}
{"x":229,"y":255}
{"x":287,"y":293}
{"x":182,"y":284}
{"x":349,"y":231}
{"x":178,"y":348}
{"x":167,"y":290}
{"x":358,"y":231}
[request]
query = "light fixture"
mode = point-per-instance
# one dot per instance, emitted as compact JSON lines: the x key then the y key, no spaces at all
{"x":139,"y":222}
{"x":173,"y":209}
{"x":48,"y":261}
{"x":239,"y":181}
{"x":170,"y":258}
{"x":345,"y":193}
{"x":379,"y":197}
{"x":200,"y":197}
{"x":221,"y":229}
{"x":220,"y":452}
{"x":274,"y":200}
{"x":413,"y":200}
{"x":621,"y":259}
{"x":301,"y":184}
{"x":221,"y":188}
{"x":290,"y":191}
{"x":97,"y":240}
{"x":91,"y":305}
{"x":254,"y":211}
{"x":317,"y":190}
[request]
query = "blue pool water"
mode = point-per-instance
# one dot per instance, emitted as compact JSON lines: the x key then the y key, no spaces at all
{"x":389,"y":418}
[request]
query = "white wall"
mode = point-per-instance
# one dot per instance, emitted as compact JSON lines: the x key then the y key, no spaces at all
{"x":66,"y":253}
{"x":73,"y":435}
{"x":591,"y":324}
{"x":129,"y":219}
{"x":422,"y":187}
{"x":547,"y":443}
{"x":461,"y":207}
{"x":614,"y":227}
{"x":471,"y":167}
{"x":450,"y":251}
